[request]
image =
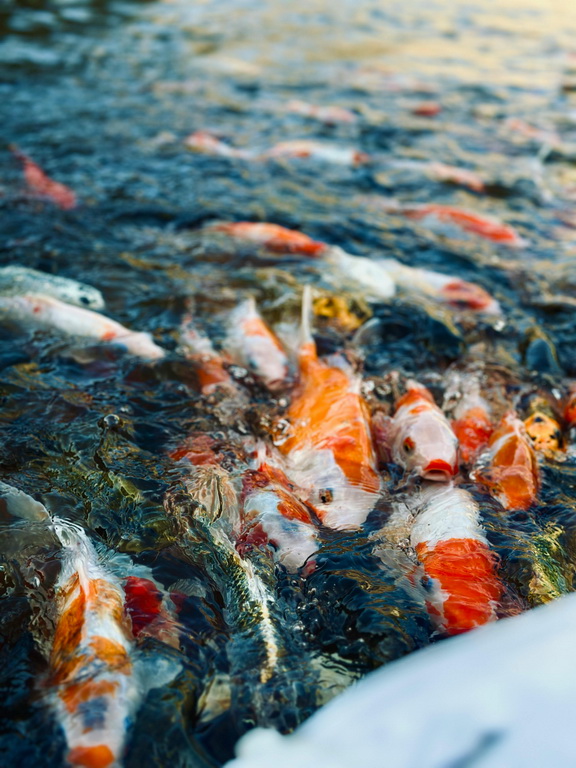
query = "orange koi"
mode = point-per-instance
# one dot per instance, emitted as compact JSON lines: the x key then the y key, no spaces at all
{"x":329,"y":449}
{"x":252,"y":344}
{"x":421,"y":439}
{"x":543,"y":429}
{"x":328,"y":115}
{"x":511,"y":472}
{"x":42,"y":186}
{"x":272,"y":237}
{"x":452,"y":547}
{"x":472,"y":424}
{"x":329,"y":153}
{"x":202,"y":141}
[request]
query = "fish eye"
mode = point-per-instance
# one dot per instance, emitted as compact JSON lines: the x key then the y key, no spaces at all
{"x":326,"y":495}
{"x":408,"y":445}
{"x":84,"y":299}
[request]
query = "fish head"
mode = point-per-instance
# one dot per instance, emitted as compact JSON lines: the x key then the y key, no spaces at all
{"x":544,"y":431}
{"x":427,"y":446}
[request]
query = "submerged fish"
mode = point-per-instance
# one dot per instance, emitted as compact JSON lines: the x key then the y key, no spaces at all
{"x":48,"y":313}
{"x":451,"y":545}
{"x":329,"y":448}
{"x":251,"y":343}
{"x":271,"y":236}
{"x":16,"y":281}
{"x":42,"y":186}
{"x":420,"y":438}
{"x":328,"y":115}
{"x":211,"y":366}
{"x":94,"y":685}
{"x":328,"y":153}
{"x":273,"y":514}
{"x":455,"y":175}
{"x":202,"y":141}
{"x":509,"y":467}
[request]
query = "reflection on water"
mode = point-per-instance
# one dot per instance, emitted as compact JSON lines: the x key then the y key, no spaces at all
{"x":103,"y":96}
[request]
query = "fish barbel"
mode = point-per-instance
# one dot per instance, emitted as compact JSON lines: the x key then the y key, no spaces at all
{"x":16,"y":281}
{"x":509,"y":467}
{"x":329,"y":448}
{"x":252,"y":344}
{"x":48,"y":313}
{"x":421,"y":439}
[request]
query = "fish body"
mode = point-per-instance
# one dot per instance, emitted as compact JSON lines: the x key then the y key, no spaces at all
{"x":207,"y":143}
{"x":252,"y":344}
{"x":510,"y":467}
{"x":473,"y":223}
{"x":449,"y":541}
{"x":273,"y":237}
{"x":91,"y":685}
{"x":472,"y":423}
{"x":570,"y":407}
{"x":272,"y":513}
{"x":328,"y":115}
{"x":453,"y":291}
{"x":210,"y":365}
{"x":45,"y":312}
{"x":421,"y":439}
{"x":454,"y":175}
{"x":42,"y":186}
{"x":329,"y":449}
{"x":328,"y":153}
{"x":16,"y":280}
{"x":370,"y":275}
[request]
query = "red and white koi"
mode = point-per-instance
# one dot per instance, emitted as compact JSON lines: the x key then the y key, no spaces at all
{"x":92,"y":685}
{"x":329,"y":450}
{"x":328,"y":115}
{"x":271,"y":236}
{"x":273,"y":514}
{"x":509,"y":467}
{"x":42,"y":186}
{"x":317,"y":150}
{"x":251,"y":343}
{"x":421,"y":439}
{"x":472,"y":423}
{"x":45,"y":312}
{"x":207,"y":143}
{"x":451,"y":545}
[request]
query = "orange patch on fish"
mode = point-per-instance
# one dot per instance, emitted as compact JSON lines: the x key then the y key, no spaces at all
{"x":42,"y":185}
{"x":65,"y":657}
{"x":473,"y":431}
{"x":113,"y":654}
{"x":469,"y":222}
{"x":91,"y":757}
{"x":272,"y":236}
{"x":75,"y":694}
{"x":460,"y":293}
{"x":466,"y":572}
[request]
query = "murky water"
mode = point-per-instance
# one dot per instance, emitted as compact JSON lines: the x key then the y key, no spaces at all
{"x":102,"y":96}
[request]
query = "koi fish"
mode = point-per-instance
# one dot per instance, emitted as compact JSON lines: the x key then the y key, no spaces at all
{"x":252,"y":344}
{"x":570,"y":407}
{"x":452,"y":547}
{"x":446,"y":289}
{"x":473,"y":223}
{"x":328,"y":115}
{"x":543,"y":428}
{"x":202,"y":141}
{"x":427,"y":109}
{"x":42,"y":186}
{"x":510,"y":468}
{"x":93,"y":686}
{"x":211,"y":370}
{"x":150,"y":610}
{"x":421,"y":439}
{"x":328,"y":153}
{"x":271,"y":236}
{"x":329,"y":449}
{"x":454,"y":175}
{"x":45,"y":312}
{"x":369,"y":274}
{"x":273,"y":514}
{"x":16,"y":280}
{"x":472,"y":423}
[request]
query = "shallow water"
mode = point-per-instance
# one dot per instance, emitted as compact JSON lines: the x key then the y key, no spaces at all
{"x":102,"y":95}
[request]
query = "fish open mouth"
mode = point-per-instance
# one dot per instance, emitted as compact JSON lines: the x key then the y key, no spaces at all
{"x":439,"y":471}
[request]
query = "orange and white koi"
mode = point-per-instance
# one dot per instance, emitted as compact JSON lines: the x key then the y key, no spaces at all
{"x":543,"y":428}
{"x":421,"y":439}
{"x":433,"y":214}
{"x":329,"y":450}
{"x":271,"y":236}
{"x":92,"y":685}
{"x":328,"y":115}
{"x":252,"y":344}
{"x":453,"y":291}
{"x":449,"y":541}
{"x":45,"y":312}
{"x":472,"y":423}
{"x":17,"y":281}
{"x":202,"y":141}
{"x":328,"y":153}
{"x":42,"y":186}
{"x":510,"y":468}
{"x":211,"y":369}
{"x":273,"y":514}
